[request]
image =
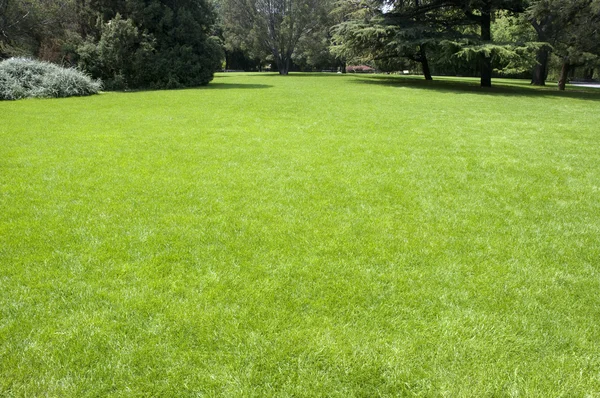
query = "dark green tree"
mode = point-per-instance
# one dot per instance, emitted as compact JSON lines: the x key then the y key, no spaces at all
{"x":169,"y":42}
{"x":571,"y":29}
{"x":120,"y":55}
{"x":409,"y":27}
{"x":382,"y":33}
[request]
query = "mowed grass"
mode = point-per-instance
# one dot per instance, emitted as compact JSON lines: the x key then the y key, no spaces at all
{"x":302,"y":236}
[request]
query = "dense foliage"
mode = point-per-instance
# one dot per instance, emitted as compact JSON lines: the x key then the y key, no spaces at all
{"x":275,"y":28}
{"x":165,"y":43}
{"x":474,"y":37}
{"x":26,"y":78}
{"x":571,"y":29}
{"x":128,"y":43}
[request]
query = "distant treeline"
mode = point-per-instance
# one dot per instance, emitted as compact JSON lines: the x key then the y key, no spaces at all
{"x":168,"y":43}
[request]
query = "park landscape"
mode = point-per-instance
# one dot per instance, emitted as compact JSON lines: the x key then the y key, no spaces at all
{"x":302,"y":235}
{"x":299,"y":198}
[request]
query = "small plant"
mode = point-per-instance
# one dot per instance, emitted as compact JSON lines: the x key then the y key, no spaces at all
{"x":27,"y":78}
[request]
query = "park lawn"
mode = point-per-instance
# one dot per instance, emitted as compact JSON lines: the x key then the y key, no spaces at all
{"x":309,"y":235}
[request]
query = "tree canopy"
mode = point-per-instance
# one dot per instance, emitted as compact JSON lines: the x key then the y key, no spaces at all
{"x":273,"y":27}
{"x":166,"y":43}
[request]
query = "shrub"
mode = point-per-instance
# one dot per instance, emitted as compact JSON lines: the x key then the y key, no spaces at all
{"x":121,"y":57}
{"x":359,"y":69}
{"x":166,"y":45}
{"x":25,"y":78}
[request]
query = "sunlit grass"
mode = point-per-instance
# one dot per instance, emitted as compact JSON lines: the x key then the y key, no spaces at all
{"x":310,"y":235}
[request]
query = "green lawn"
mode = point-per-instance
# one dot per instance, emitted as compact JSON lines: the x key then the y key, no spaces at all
{"x":305,"y":236}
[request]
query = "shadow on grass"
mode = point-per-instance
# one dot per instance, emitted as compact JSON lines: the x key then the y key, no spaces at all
{"x":229,"y":86}
{"x":499,"y":87}
{"x":211,"y":86}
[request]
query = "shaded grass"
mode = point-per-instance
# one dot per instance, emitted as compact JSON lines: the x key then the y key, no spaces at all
{"x":316,"y":237}
{"x":456,"y":85}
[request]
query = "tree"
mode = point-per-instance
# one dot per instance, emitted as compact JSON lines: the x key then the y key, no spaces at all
{"x":119,"y":56}
{"x":28,"y":26}
{"x":15,"y":27}
{"x":572,"y":30}
{"x":409,"y":28}
{"x":375,"y":32}
{"x":481,"y":13}
{"x":153,"y":43}
{"x":273,"y":27}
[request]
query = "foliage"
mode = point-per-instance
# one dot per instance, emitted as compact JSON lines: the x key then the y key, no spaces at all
{"x":412,"y":29}
{"x":37,"y":28}
{"x":166,"y":43}
{"x":273,"y":27}
{"x":129,"y":43}
{"x":572,"y":30}
{"x":508,"y":58}
{"x":26,"y":78}
{"x":157,"y":44}
{"x":120,"y":56}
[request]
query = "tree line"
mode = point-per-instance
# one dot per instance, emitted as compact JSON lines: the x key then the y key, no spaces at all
{"x":179,"y":43}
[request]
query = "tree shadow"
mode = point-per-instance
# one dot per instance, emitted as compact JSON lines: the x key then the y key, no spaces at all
{"x":211,"y":86}
{"x":230,"y":86}
{"x":500,"y":87}
{"x":330,"y":75}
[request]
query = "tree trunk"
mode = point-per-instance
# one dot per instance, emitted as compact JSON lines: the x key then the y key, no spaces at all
{"x":422,"y":53}
{"x":589,"y":74}
{"x":284,"y":66}
{"x":486,"y":37}
{"x":343,"y":67}
{"x":564,"y":72}
{"x":424,"y":62}
{"x":540,"y":71}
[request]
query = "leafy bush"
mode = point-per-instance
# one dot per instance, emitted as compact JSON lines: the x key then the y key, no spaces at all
{"x":23,"y":78}
{"x":165,"y":45}
{"x":121,"y":57}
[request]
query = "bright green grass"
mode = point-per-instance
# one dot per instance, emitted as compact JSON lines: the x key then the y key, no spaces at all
{"x":325,"y":235}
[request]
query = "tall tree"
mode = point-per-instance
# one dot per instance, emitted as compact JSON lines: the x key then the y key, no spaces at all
{"x":481,"y":13}
{"x":572,"y":30}
{"x":409,"y":27}
{"x":168,"y":42}
{"x":273,"y":26}
{"x":35,"y":27}
{"x":380,"y":32}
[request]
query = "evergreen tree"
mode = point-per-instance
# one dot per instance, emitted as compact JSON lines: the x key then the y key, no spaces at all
{"x":408,"y":27}
{"x":380,"y":33}
{"x":168,"y":43}
{"x":572,"y":30}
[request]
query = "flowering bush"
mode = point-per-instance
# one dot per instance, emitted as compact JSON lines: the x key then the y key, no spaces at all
{"x":359,"y":69}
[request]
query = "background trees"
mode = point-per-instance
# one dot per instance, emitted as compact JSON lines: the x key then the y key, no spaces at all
{"x":273,"y":27}
{"x":450,"y":34}
{"x":166,"y":43}
{"x":571,"y":29}
{"x":459,"y":28}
